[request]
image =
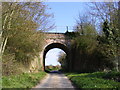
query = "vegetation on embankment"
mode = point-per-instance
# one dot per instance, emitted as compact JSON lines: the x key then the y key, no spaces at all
{"x":25,"y":80}
{"x":96,"y":79}
{"x":93,"y":51}
{"x":21,"y":40}
{"x":52,"y":68}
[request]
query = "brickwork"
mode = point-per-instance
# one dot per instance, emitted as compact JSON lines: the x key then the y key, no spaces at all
{"x":54,"y":40}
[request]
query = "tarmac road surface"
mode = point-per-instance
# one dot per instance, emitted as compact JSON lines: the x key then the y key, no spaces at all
{"x":56,"y":80}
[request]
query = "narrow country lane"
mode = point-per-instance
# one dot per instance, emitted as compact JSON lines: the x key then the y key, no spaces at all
{"x":55,"y":80}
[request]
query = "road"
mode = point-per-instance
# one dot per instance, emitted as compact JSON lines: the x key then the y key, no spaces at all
{"x":55,"y":80}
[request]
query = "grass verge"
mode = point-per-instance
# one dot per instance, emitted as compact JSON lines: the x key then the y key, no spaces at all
{"x":95,"y":80}
{"x":25,"y":80}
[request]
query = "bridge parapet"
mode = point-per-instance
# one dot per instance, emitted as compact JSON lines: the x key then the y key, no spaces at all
{"x":56,"y":38}
{"x":55,"y":35}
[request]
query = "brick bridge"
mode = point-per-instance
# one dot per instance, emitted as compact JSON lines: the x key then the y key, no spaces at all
{"x":56,"y":40}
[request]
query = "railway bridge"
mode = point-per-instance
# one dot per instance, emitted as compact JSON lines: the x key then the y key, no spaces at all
{"x":56,"y":40}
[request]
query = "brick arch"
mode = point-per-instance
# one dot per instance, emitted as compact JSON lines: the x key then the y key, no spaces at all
{"x":51,"y":46}
{"x":55,"y":38}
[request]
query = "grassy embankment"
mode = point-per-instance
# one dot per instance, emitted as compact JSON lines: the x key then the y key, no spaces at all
{"x":25,"y":80}
{"x":96,"y":80}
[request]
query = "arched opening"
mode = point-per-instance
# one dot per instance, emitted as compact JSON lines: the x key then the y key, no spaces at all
{"x":49,"y":48}
{"x":54,"y":60}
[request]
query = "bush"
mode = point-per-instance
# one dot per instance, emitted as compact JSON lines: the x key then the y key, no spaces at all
{"x":52,"y":68}
{"x":10,"y":66}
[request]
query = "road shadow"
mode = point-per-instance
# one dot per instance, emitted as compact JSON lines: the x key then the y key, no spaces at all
{"x":54,"y":72}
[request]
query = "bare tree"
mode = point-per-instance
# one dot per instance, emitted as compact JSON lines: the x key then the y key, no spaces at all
{"x":102,"y":11}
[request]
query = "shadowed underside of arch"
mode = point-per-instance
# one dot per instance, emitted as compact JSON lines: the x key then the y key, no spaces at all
{"x":51,"y":46}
